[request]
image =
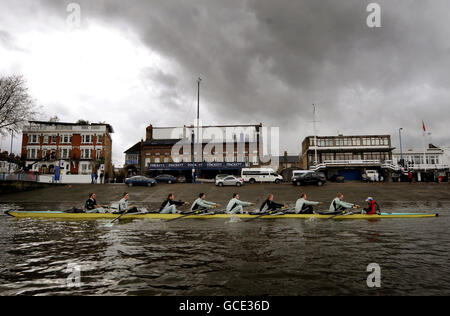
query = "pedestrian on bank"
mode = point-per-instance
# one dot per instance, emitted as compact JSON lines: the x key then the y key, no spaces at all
{"x":92,"y":177}
{"x":96,"y":177}
{"x":410,"y":177}
{"x":102,"y":176}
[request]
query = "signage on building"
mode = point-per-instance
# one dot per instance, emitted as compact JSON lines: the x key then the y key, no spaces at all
{"x":191,"y":166}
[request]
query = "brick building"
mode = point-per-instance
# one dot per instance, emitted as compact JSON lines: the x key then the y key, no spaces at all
{"x":78,"y":149}
{"x":220,"y":153}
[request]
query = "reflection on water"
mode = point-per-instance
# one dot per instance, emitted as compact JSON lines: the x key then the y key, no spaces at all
{"x":225,"y":257}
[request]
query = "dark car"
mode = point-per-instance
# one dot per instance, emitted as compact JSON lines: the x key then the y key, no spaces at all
{"x":140,"y":180}
{"x":166,"y":178}
{"x":337,"y":178}
{"x":309,"y":178}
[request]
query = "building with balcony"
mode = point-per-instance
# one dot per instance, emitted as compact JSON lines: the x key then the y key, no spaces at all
{"x":176,"y":151}
{"x":76,"y":149}
{"x":347,"y":156}
{"x":426,"y":163}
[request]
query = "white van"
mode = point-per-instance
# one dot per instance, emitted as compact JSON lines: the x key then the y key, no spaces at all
{"x":254,"y":175}
{"x":371,"y":175}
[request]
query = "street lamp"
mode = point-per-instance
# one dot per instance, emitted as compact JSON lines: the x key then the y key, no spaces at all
{"x":401,"y":149}
{"x":10,"y":153}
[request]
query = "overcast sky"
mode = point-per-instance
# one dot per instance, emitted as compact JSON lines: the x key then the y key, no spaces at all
{"x":132,"y":63}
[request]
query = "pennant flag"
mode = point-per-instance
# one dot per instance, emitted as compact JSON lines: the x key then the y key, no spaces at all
{"x":423,"y":126}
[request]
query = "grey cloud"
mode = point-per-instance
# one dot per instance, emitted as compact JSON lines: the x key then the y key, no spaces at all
{"x":265,"y":60}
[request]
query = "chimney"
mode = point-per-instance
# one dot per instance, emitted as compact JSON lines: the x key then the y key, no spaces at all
{"x":149,"y":133}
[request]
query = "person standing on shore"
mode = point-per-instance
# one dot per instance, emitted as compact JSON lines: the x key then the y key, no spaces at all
{"x":236,"y":205}
{"x":92,"y":177}
{"x":169,"y":206}
{"x":102,"y":176}
{"x":410,"y":177}
{"x":303,"y":206}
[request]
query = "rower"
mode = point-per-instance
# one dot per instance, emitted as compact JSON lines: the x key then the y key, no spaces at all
{"x":169,"y":206}
{"x":124,"y":207}
{"x":236,"y":205}
{"x":338,"y":204}
{"x":91,"y":205}
{"x":372,"y":207}
{"x":303,"y":206}
{"x":202,"y":205}
{"x":270,"y":205}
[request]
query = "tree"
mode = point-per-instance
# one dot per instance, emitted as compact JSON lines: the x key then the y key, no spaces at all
{"x":83,"y":122}
{"x":54,"y":119}
{"x":16,"y":104}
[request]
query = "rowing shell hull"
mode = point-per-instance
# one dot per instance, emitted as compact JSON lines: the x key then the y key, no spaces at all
{"x":85,"y":216}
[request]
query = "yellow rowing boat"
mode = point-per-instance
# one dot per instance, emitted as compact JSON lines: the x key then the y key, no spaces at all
{"x":157,"y":216}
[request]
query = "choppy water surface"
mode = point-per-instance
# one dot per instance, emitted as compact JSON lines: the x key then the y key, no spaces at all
{"x":216,"y":257}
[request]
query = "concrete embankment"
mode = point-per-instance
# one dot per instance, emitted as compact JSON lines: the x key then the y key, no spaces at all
{"x":411,"y":196}
{"x":8,"y":187}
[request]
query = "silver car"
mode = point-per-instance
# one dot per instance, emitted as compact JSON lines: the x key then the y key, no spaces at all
{"x":229,"y":180}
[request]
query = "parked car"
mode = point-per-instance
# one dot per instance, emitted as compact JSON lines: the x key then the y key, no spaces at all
{"x":309,"y":178}
{"x":230,"y":180}
{"x":221,"y":176}
{"x":337,"y":178}
{"x":181,"y":179}
{"x":140,"y":180}
{"x":166,"y":178}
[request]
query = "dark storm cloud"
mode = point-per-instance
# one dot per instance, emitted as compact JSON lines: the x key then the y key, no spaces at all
{"x":265,"y":60}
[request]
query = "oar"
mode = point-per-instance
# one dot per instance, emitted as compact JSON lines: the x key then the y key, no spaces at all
{"x":185,"y":215}
{"x":264,"y":214}
{"x":116,"y":219}
{"x":343,"y":213}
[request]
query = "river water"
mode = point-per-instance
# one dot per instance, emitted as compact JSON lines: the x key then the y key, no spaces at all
{"x":219,"y":257}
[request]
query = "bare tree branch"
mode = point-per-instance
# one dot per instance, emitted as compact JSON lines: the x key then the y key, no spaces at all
{"x":16,"y":105}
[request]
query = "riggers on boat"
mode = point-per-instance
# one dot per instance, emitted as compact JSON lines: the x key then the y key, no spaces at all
{"x":95,"y":216}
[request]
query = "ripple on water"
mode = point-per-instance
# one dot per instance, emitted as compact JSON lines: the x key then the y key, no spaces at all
{"x":220,"y":257}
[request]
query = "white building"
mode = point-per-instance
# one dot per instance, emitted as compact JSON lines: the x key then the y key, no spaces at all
{"x":419,"y":159}
{"x":5,"y":167}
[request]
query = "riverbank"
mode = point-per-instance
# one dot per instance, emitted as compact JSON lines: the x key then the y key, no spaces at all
{"x":387,"y":194}
{"x":10,"y":187}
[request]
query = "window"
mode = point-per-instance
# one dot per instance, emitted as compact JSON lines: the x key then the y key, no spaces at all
{"x":46,"y":139}
{"x":356,"y":141}
{"x":87,"y":139}
{"x":64,"y":153}
{"x":98,"y":154}
{"x":366,"y":141}
{"x":53,"y":139}
{"x":86,"y":153}
{"x":33,"y":139}
{"x":99,"y":139}
{"x":66,"y":139}
{"x":327,"y":157}
{"x":33,"y":153}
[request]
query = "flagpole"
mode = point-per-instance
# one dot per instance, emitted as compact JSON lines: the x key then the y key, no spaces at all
{"x":424,"y":146}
